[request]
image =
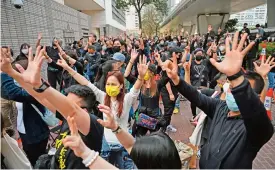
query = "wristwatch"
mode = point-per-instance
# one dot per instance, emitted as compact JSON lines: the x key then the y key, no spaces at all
{"x":43,"y":87}
{"x":118,"y":129}
{"x":235,"y":76}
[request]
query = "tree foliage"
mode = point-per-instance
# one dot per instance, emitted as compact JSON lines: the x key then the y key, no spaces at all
{"x":151,"y":20}
{"x":230,"y":25}
{"x":160,"y":5}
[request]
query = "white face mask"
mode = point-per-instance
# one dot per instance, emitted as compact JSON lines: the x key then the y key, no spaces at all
{"x":25,"y":51}
{"x":222,"y":48}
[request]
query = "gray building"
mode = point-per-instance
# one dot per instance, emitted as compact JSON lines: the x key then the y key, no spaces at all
{"x":50,"y":18}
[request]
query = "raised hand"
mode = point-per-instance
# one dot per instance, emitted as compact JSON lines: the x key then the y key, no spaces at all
{"x":265,"y":67}
{"x":214,"y":47}
{"x":110,"y":122}
{"x":187,"y":49}
{"x":62,"y":62}
{"x":74,"y":141}
{"x":219,"y":30}
{"x":142,"y":66}
{"x":187,"y":65}
{"x":232,"y":62}
{"x":6,"y":61}
{"x":39,"y":36}
{"x":157,"y":56}
{"x":134,"y":55}
{"x":171,"y":68}
{"x":32,"y":75}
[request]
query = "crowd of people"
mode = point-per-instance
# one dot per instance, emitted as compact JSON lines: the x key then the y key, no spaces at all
{"x":105,"y":95}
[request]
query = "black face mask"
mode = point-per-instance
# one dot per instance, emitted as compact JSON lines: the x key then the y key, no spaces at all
{"x":198,"y":57}
{"x":136,"y":46}
{"x":116,"y":49}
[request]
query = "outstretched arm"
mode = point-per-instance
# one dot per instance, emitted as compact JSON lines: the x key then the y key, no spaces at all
{"x":32,"y":76}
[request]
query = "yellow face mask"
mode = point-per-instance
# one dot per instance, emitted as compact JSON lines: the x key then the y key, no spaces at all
{"x":112,"y":91}
{"x":147,"y":76}
{"x":220,"y":85}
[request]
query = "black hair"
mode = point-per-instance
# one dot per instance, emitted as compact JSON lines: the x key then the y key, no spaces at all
{"x":72,"y":54}
{"x":116,"y":40}
{"x":259,"y":81}
{"x":88,"y":97}
{"x":92,"y":34}
{"x":104,"y":69}
{"x":6,"y":47}
{"x":23,"y":62}
{"x":24,"y":45}
{"x":257,"y":25}
{"x":155,"y":151}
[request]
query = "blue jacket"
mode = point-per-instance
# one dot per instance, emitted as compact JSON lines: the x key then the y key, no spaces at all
{"x":36,"y":129}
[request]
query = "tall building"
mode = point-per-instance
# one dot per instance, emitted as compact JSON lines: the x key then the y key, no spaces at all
{"x":106,"y":19}
{"x":252,"y":16}
{"x":132,"y":23}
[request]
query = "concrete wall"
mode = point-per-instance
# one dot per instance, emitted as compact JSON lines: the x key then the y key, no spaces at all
{"x":46,"y":16}
{"x":270,"y":13}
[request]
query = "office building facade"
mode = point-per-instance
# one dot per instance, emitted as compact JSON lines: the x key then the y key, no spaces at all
{"x":252,"y":16}
{"x":132,"y":23}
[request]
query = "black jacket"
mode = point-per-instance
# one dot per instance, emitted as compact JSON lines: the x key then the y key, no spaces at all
{"x":232,"y":142}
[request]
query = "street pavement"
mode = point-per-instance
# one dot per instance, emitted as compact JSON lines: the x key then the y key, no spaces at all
{"x":265,"y":158}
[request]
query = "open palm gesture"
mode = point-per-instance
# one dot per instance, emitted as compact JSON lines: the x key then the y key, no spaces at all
{"x":33,"y":73}
{"x":233,"y":60}
{"x":265,"y":67}
{"x":142,"y":66}
{"x":6,"y":61}
{"x":134,"y":54}
{"x":110,"y":122}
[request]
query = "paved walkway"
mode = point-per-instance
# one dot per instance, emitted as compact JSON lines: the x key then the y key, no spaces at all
{"x":265,"y":158}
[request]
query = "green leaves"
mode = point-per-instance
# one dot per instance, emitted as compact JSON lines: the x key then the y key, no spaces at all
{"x":160,"y":6}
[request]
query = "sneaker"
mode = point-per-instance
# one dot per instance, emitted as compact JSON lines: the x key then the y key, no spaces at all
{"x":171,"y":129}
{"x":176,"y":110}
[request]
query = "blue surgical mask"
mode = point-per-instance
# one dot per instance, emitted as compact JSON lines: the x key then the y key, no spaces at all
{"x":231,"y":103}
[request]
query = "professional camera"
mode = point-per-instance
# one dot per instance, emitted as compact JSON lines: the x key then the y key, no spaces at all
{"x":18,"y":3}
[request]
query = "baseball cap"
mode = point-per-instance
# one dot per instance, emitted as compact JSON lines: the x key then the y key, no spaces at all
{"x":176,"y":49}
{"x":119,"y":57}
{"x":198,"y":49}
{"x":153,"y":68}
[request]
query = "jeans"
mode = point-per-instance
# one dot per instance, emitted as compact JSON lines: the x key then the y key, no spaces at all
{"x":168,"y":108}
{"x":116,"y":155}
{"x":271,"y":80}
{"x":177,"y":104}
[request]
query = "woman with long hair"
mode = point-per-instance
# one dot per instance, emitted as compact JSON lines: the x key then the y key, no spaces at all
{"x":24,"y":52}
{"x":149,"y":96}
{"x":120,"y":104}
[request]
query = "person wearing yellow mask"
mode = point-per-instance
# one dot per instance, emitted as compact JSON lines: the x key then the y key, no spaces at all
{"x":120,"y":104}
{"x":149,"y":96}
